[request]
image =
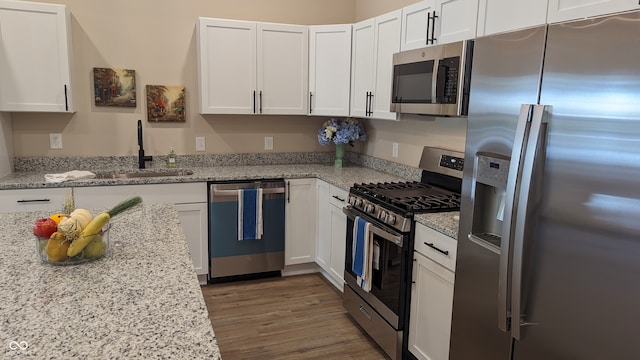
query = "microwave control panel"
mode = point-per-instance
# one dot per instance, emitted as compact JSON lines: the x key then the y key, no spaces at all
{"x":448,"y":74}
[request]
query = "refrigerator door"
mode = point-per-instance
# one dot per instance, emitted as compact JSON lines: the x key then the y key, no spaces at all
{"x":582,"y":299}
{"x":505,"y":74}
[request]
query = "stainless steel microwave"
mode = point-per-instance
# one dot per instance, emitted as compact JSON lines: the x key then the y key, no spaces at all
{"x":433,"y":80}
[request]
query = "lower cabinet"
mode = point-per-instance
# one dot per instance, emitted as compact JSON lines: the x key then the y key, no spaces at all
{"x":332,"y":224}
{"x":300,"y":221}
{"x":46,"y":199}
{"x":189,"y":199}
{"x":431,"y":298}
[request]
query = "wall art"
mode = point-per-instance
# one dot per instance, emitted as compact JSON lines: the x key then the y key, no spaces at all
{"x":165,"y":103}
{"x":114,"y":87}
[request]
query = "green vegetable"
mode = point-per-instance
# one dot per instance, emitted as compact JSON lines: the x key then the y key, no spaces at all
{"x":99,"y":221}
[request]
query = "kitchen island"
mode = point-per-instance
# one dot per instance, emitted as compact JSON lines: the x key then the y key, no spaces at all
{"x":141,"y":300}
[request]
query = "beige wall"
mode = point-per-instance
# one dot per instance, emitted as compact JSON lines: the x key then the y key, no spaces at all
{"x":157,"y":39}
{"x":6,"y":144}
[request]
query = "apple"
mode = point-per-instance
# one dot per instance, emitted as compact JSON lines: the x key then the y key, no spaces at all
{"x":44,"y":227}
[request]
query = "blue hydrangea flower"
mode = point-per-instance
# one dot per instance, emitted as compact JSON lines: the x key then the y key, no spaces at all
{"x":344,"y":131}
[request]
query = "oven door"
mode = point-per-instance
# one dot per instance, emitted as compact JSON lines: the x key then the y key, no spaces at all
{"x":389,"y":268}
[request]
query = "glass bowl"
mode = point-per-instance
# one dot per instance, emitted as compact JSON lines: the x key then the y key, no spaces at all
{"x":54,"y":251}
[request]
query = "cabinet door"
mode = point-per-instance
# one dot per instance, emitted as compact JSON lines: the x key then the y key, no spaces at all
{"x":300,"y":221}
{"x":563,"y":10}
{"x":414,"y":25}
{"x":282,"y":68}
{"x":20,"y":200}
{"x":362,"y":48}
{"x":431,"y":306}
{"x":227,"y":66}
{"x":387,"y":43}
{"x":457,"y":20}
{"x":329,"y":70}
{"x":35,"y":57}
{"x":495,"y":16}
{"x":193,"y":218}
{"x":323,"y":240}
{"x":338,"y":243}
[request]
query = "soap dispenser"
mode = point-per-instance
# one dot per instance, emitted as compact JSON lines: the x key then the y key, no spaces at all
{"x":171,"y":158}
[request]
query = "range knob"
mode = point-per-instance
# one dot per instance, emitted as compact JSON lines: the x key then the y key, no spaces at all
{"x":370,"y":208}
{"x":391,"y":219}
{"x":382,"y":216}
{"x":352,"y":200}
{"x":358,"y":203}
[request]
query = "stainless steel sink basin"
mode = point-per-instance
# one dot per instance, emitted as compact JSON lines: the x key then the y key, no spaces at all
{"x":143,"y":174}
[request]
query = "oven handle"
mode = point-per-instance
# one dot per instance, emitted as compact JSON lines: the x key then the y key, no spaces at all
{"x":396,"y":239}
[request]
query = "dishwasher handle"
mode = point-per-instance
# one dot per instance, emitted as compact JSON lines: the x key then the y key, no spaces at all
{"x":265,"y":191}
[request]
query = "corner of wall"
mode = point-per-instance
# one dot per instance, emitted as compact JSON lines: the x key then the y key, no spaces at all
{"x":6,"y":147}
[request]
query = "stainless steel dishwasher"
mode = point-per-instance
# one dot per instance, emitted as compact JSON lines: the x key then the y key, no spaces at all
{"x":231,"y":258}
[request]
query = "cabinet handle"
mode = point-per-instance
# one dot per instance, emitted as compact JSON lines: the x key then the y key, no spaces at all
{"x":433,"y":28}
{"x":32,"y":201}
{"x":254,"y":101}
{"x":66,"y":100}
{"x":310,"y":101}
{"x":428,"y":22}
{"x":338,"y":198}
{"x":445,"y":252}
{"x":260,"y":101}
{"x":288,"y":192}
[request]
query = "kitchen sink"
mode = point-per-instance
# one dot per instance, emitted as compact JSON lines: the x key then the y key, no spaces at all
{"x":142,"y":174}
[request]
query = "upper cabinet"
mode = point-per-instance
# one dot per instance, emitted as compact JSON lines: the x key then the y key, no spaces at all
{"x":373,"y":45}
{"x":252,"y":68}
{"x":432,"y":22}
{"x":562,"y":10}
{"x":35,"y":57}
{"x":495,"y":16}
{"x":329,"y":70}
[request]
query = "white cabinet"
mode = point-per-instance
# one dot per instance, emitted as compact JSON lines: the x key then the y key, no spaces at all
{"x":373,"y":45}
{"x":414,"y":25}
{"x":495,"y":16}
{"x":189,"y":199}
{"x":439,"y":22}
{"x":35,"y":57}
{"x":300,"y":221}
{"x":332,"y":227}
{"x":562,"y":10}
{"x":431,"y":294}
{"x":46,"y":199}
{"x":329,"y":70}
{"x":252,"y":68}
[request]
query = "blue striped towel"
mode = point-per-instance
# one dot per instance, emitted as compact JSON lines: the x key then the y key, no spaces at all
{"x":249,"y":214}
{"x":362,"y":253}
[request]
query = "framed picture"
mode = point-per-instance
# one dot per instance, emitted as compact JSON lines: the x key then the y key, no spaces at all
{"x":165,"y":103}
{"x":114,"y":87}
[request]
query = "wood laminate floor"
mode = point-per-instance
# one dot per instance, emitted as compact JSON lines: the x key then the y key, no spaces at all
{"x":293,"y":317}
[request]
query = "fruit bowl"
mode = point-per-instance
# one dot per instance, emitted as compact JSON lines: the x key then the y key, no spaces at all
{"x":53,"y":250}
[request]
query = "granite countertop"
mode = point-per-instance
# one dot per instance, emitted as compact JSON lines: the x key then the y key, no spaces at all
{"x":343,"y":178}
{"x":141,"y":300}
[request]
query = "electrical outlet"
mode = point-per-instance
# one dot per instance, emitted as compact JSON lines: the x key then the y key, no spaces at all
{"x":55,"y":141}
{"x":268,"y":143}
{"x":200,"y":143}
{"x":394,"y":150}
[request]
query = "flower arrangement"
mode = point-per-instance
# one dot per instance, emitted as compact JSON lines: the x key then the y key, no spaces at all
{"x":341,"y":131}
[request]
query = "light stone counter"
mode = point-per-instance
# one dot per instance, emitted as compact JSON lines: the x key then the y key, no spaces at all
{"x":344,"y":178}
{"x":141,"y":301}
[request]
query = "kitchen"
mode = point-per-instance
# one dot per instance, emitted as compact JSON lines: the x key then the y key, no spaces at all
{"x":295,"y":134}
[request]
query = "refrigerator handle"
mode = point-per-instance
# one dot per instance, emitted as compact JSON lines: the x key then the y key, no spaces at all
{"x":527,"y":202}
{"x":513,"y":180}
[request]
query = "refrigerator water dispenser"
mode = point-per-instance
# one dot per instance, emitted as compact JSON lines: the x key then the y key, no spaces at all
{"x":489,"y":185}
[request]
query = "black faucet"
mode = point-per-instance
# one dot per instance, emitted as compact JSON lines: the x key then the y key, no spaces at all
{"x":141,"y":158}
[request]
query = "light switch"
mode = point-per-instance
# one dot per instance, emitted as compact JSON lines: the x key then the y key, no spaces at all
{"x":268,"y":143}
{"x":394,"y":150}
{"x":55,"y":141}
{"x":200,"y":143}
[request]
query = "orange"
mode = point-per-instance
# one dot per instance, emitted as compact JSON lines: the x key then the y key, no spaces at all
{"x":58,"y":217}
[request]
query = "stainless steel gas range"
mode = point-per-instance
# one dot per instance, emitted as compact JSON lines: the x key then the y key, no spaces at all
{"x":379,"y":301}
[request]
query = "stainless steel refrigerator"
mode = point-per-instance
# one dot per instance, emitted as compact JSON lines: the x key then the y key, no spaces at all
{"x":548,"y":262}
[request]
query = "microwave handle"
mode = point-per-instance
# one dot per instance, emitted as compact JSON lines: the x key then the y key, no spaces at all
{"x":434,"y":81}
